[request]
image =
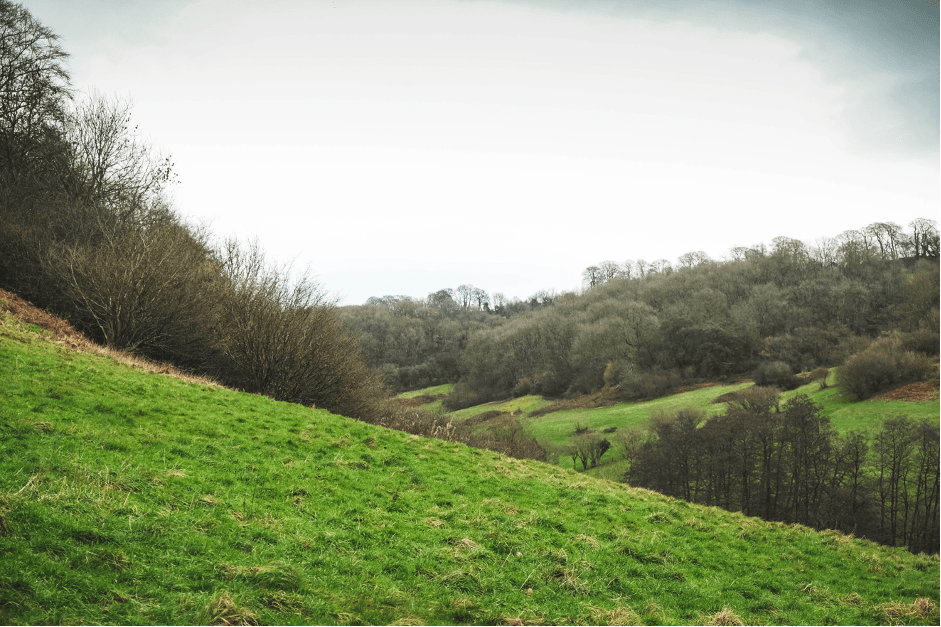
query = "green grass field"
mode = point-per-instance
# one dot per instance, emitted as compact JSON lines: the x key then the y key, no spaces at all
{"x":135,"y":498}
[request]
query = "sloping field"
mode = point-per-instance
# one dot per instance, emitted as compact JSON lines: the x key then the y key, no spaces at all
{"x":136,"y":498}
{"x":556,"y":429}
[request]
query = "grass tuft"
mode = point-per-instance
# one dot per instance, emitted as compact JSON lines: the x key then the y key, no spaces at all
{"x":617,"y":616}
{"x":900,"y":613}
{"x":725,"y":616}
{"x":223,"y":610}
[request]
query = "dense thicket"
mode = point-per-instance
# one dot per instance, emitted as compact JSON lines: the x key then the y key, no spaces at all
{"x":787,"y":463}
{"x":415,"y":343}
{"x":418,"y":343}
{"x":87,"y":230}
{"x":643,"y":329}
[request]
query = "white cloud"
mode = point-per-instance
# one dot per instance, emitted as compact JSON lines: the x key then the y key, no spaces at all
{"x":401,"y":147}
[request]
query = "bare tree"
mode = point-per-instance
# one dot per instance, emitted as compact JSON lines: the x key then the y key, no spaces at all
{"x":591,"y":277}
{"x":133,"y":284}
{"x":588,"y":449}
{"x":661,"y":266}
{"x":692,"y":259}
{"x":609,"y":270}
{"x":627,"y":269}
{"x":642,"y":268}
{"x":480,"y":297}
{"x":109,"y":164}
{"x":34,"y":90}
{"x":465,"y":294}
{"x":824,"y":251}
{"x":888,"y":237}
{"x":924,"y":238}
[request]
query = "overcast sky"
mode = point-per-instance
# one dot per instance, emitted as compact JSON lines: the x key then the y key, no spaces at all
{"x":399,"y":147}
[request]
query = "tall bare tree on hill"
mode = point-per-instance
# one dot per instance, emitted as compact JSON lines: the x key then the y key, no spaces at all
{"x":35,"y":88}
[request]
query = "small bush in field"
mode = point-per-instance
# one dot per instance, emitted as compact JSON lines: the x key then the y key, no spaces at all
{"x":777,"y":374}
{"x":820,"y":374}
{"x":885,"y":364}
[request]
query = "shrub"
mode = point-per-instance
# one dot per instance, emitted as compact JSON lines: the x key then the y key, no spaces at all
{"x":820,"y":374}
{"x":775,"y":374}
{"x":462,"y":396}
{"x":524,"y":387}
{"x":925,"y":341}
{"x":653,"y":383}
{"x":755,"y":399}
{"x":883,"y":365}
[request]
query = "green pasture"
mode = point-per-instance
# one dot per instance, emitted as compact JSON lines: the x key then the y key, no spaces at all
{"x":134,"y":498}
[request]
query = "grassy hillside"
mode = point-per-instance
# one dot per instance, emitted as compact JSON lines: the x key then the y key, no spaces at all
{"x":128,"y":497}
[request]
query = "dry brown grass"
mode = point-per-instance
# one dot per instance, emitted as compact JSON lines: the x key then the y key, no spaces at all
{"x":725,"y":616}
{"x":617,"y":616}
{"x":223,"y":610}
{"x":897,"y":612}
{"x":854,"y":599}
{"x":923,"y":608}
{"x":589,"y":540}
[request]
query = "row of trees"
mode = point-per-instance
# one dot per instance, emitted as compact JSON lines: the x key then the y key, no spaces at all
{"x":87,"y":230}
{"x":787,"y":463}
{"x":880,"y":240}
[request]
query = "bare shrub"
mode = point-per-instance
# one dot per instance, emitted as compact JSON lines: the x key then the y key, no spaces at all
{"x":756,"y":399}
{"x":924,"y":340}
{"x":881,"y":366}
{"x":588,"y":450}
{"x":777,"y":374}
{"x":820,"y":375}
{"x":282,"y":338}
{"x":133,"y":286}
{"x":505,"y":433}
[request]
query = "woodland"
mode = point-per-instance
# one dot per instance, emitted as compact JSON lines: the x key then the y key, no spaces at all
{"x":646,"y":329}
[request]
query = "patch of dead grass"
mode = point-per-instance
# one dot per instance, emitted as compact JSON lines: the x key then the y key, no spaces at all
{"x":589,"y":540}
{"x":223,"y":610}
{"x":616,"y":616}
{"x":725,"y":616}
{"x":898,"y":612}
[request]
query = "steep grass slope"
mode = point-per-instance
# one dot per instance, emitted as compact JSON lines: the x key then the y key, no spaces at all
{"x":128,"y":497}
